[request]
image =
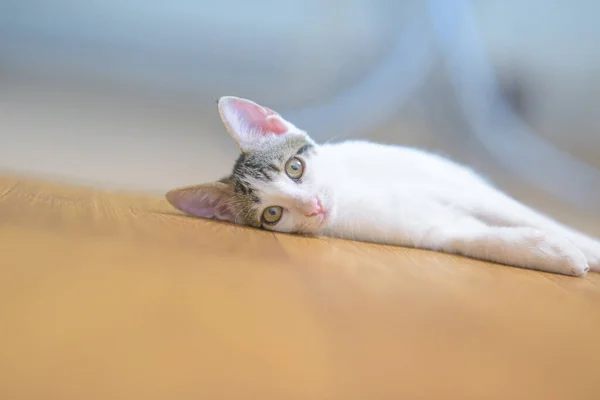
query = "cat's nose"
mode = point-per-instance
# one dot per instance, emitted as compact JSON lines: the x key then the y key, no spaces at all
{"x":311,"y":207}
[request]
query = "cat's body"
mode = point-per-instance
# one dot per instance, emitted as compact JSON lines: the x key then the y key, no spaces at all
{"x":359,"y":190}
{"x":422,"y":189}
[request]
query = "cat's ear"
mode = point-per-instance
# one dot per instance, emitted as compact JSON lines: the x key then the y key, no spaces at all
{"x":250,"y":124}
{"x":208,"y":200}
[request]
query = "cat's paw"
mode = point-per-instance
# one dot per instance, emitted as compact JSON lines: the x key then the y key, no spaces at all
{"x":593,"y":259}
{"x":591,"y":250}
{"x":559,"y":254}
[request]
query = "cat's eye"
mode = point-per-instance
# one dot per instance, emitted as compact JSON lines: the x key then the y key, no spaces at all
{"x":272,"y":214}
{"x":294,"y":168}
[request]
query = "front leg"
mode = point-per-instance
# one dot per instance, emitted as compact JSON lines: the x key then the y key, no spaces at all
{"x":516,"y":246}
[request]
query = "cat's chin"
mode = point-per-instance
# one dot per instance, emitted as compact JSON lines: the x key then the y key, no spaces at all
{"x":323,"y":221}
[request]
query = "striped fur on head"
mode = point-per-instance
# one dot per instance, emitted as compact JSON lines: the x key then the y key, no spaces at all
{"x":256,"y":169}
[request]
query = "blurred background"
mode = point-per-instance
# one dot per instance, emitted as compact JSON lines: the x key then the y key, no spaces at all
{"x":122,"y":94}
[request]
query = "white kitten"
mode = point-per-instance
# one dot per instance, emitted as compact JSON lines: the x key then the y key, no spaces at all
{"x":283,"y":181}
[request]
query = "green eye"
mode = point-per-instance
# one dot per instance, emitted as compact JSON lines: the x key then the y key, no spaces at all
{"x":294,"y":168}
{"x":272,"y":214}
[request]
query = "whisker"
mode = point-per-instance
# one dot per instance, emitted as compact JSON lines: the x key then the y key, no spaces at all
{"x":332,"y":138}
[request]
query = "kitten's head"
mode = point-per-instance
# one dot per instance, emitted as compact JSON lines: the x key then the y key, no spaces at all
{"x":275,"y":181}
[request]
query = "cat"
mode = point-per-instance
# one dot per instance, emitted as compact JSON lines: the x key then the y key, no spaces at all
{"x":283,"y":181}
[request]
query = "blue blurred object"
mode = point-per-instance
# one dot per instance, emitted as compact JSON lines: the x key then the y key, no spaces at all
{"x":510,"y":87}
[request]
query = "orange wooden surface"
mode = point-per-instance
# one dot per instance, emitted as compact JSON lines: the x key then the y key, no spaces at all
{"x":117,"y":296}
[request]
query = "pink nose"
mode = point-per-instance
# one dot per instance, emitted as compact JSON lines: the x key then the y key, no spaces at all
{"x":312,"y":207}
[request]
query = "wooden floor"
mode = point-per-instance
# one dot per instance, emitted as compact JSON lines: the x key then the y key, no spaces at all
{"x":116,"y":296}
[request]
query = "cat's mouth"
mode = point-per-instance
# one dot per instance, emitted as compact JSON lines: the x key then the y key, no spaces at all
{"x":324,"y":216}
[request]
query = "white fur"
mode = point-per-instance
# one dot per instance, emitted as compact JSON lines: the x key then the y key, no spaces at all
{"x":407,"y":197}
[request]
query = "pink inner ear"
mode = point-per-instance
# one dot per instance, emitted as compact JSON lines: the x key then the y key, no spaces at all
{"x":265,"y":119}
{"x":202,"y":212}
{"x":201,"y":202}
